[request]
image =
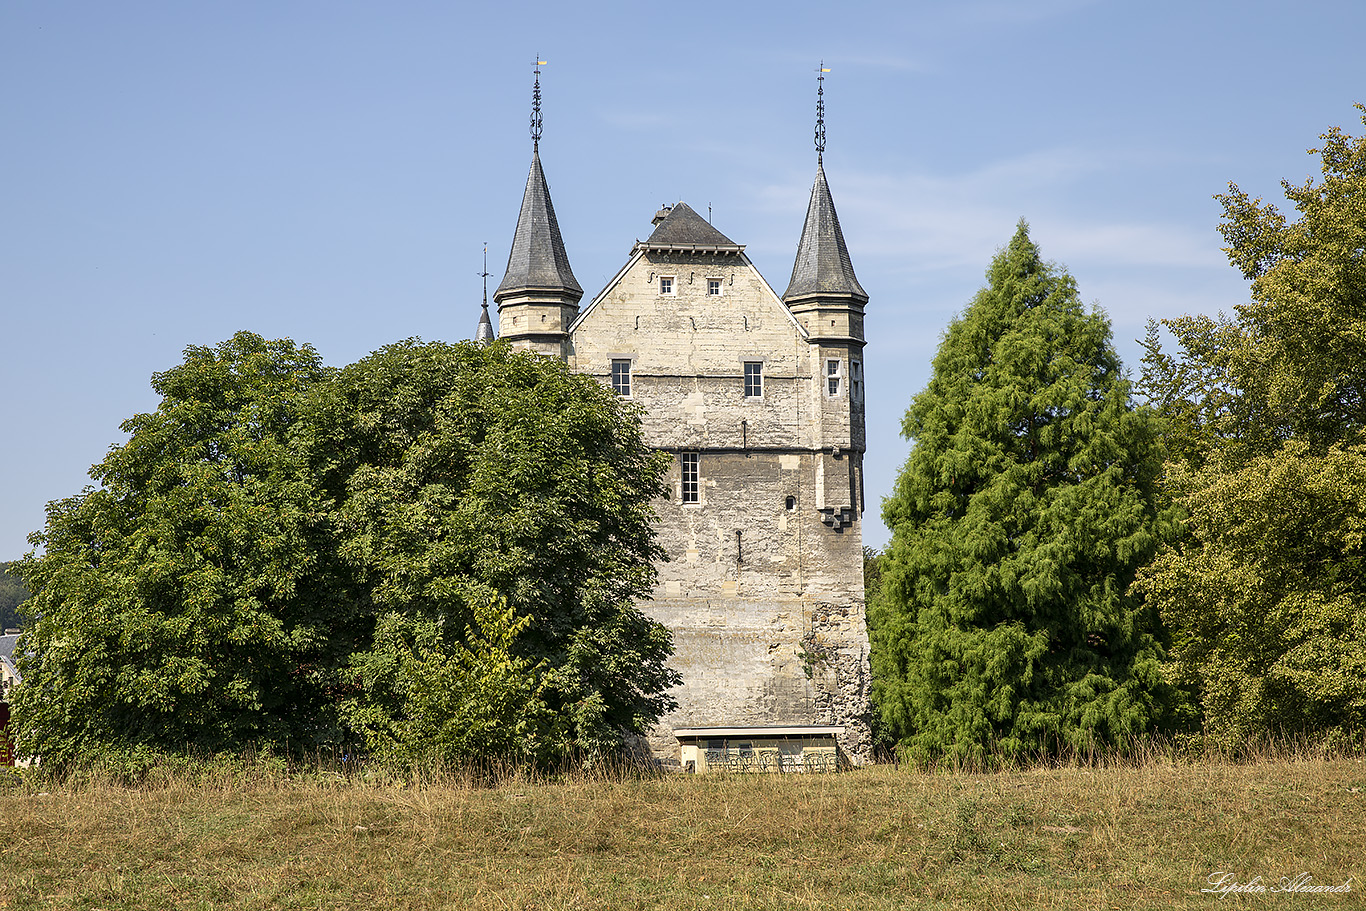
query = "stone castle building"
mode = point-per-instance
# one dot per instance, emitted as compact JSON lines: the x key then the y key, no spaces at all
{"x":759,"y":399}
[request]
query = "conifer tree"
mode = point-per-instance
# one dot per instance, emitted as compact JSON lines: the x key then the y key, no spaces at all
{"x":1004,"y":625}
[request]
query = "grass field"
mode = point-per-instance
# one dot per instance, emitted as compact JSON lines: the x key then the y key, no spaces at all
{"x":1078,"y":838}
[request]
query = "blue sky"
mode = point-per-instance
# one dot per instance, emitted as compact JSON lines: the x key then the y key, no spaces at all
{"x":175,"y":172}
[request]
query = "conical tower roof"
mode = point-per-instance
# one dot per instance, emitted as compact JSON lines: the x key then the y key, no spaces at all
{"x":538,"y":261}
{"x":484,"y":334}
{"x":823,"y":266}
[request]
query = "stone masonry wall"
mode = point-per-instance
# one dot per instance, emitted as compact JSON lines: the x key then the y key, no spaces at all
{"x":762,"y":592}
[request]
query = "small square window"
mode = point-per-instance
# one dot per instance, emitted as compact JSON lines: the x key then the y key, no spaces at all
{"x":713,"y":286}
{"x":832,"y":376}
{"x":692,"y":489}
{"x":754,"y":379}
{"x":621,"y":376}
{"x":666,"y":284}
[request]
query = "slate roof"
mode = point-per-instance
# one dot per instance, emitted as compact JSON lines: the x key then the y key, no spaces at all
{"x":538,"y":260}
{"x":822,"y":266}
{"x":684,"y":231}
{"x":484,"y":333}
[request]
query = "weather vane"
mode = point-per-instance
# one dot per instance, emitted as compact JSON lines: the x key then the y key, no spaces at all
{"x":820,"y":111}
{"x":485,"y":275}
{"x":536,"y":107}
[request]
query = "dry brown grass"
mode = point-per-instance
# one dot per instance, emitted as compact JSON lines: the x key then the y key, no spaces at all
{"x":1136,"y":836}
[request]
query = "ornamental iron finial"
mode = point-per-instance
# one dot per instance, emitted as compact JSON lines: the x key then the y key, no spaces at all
{"x":820,"y":111}
{"x":485,"y":275}
{"x":536,"y":107}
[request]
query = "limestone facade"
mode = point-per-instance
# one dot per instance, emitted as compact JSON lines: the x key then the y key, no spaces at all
{"x":759,"y":399}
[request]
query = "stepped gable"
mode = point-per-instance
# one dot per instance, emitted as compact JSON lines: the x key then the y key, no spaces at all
{"x":538,"y":261}
{"x":822,"y":267}
{"x":684,"y":231}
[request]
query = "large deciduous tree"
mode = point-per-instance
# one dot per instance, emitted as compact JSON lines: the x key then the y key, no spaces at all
{"x":461,"y":473}
{"x":1005,"y":624}
{"x":191,"y":598}
{"x":1266,"y":594}
{"x":281,"y":550}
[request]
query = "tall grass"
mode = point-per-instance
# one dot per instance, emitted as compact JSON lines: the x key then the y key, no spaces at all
{"x":1125,"y":830}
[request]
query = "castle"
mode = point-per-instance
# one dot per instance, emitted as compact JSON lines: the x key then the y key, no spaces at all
{"x":760,"y":401}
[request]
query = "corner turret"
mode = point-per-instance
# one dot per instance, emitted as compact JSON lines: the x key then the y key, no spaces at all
{"x":539,"y":297}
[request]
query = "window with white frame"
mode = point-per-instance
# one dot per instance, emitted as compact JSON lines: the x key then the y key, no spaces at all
{"x":856,"y":380}
{"x":754,"y":379}
{"x":833,"y":375}
{"x":692,"y":488}
{"x":713,"y":286}
{"x":666,"y":284}
{"x":621,"y":376}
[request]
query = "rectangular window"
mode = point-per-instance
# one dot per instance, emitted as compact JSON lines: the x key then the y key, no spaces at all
{"x":856,"y":380}
{"x":692,"y":490}
{"x":713,"y":286}
{"x":754,"y":379}
{"x":832,"y":376}
{"x":621,"y":376}
{"x":666,"y":284}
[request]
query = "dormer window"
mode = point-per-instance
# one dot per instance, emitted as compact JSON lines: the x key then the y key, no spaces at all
{"x":666,"y":284}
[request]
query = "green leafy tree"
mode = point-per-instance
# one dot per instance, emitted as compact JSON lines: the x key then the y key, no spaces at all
{"x":461,"y":469}
{"x":1265,"y":595}
{"x":221,"y":586}
{"x":426,"y":695}
{"x":12,"y":594}
{"x":189,"y":599}
{"x":1005,"y":623}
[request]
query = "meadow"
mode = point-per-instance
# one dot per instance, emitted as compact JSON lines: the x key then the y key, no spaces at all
{"x":257,"y":834}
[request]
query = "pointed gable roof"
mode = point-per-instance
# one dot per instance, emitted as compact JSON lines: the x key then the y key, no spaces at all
{"x":684,"y":231}
{"x":823,"y":266}
{"x":538,"y":260}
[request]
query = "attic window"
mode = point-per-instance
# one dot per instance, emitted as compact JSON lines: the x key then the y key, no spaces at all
{"x":666,"y":284}
{"x":713,"y":286}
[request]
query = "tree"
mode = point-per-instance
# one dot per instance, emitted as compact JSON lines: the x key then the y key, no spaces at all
{"x":191,"y":597}
{"x":1005,"y":623}
{"x":459,"y":474}
{"x":12,"y":594}
{"x":1265,"y":594}
{"x":224,"y":583}
{"x":426,"y":695}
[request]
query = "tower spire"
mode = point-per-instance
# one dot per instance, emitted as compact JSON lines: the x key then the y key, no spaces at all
{"x":484,"y":333}
{"x":820,"y":112}
{"x":822,"y":269}
{"x":536,"y":106}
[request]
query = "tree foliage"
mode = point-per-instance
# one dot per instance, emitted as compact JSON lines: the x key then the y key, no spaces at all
{"x":1004,"y":623}
{"x":223,"y":583}
{"x":427,"y":695}
{"x":189,"y":598}
{"x":1268,"y":414}
{"x":12,"y":594}
{"x":460,"y":473}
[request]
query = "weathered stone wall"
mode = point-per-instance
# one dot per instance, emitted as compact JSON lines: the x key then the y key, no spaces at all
{"x":763,"y":591}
